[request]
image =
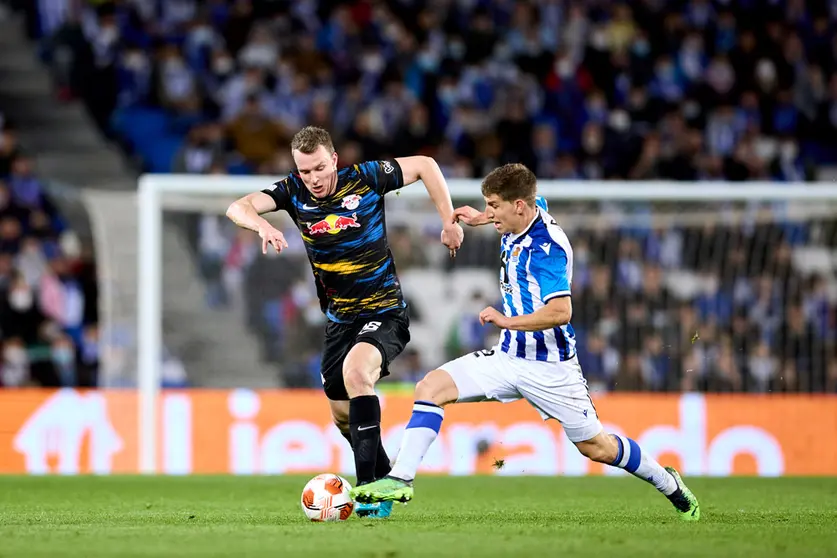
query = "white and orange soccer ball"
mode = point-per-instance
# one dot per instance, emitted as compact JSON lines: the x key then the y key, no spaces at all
{"x":326,"y":498}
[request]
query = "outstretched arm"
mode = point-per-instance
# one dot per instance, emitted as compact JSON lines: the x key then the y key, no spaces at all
{"x":470,"y":216}
{"x":427,"y":170}
{"x":247,"y":212}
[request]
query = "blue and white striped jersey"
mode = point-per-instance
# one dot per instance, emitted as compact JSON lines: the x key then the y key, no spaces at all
{"x":537,"y":265}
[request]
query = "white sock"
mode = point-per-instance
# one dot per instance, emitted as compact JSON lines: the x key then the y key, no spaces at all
{"x":424,"y":426}
{"x":643,"y":466}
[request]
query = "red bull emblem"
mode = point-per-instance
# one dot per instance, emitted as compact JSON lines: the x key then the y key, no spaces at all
{"x":333,"y":224}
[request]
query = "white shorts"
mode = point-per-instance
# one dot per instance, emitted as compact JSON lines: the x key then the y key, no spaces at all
{"x":556,"y":389}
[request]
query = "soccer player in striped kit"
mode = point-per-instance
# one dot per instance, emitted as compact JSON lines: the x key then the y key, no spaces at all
{"x":341,"y":217}
{"x":535,"y":357}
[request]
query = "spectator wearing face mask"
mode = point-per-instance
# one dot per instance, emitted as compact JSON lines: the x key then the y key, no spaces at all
{"x":20,"y":315}
{"x":14,"y":368}
{"x":62,"y":298}
{"x":203,"y":147}
{"x":63,"y":358}
{"x":176,"y":86}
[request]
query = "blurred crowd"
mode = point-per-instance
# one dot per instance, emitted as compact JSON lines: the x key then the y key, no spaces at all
{"x":741,"y":315}
{"x":686,"y":89}
{"x":48,"y":293}
{"x":647,"y":89}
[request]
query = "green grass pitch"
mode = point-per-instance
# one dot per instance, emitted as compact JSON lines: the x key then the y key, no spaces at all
{"x":475,"y":516}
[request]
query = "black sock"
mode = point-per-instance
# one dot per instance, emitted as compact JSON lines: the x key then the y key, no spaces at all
{"x":365,"y":426}
{"x":382,"y":466}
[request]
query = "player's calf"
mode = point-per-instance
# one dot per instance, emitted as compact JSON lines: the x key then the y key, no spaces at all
{"x":622,"y":452}
{"x":625,"y":453}
{"x":361,"y":370}
{"x":432,"y":393}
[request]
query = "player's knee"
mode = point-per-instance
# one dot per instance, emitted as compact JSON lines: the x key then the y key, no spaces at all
{"x":358,"y":381}
{"x":436,"y":387}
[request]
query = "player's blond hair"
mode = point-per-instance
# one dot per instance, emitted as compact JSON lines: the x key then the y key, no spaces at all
{"x":511,"y":182}
{"x":310,"y":138}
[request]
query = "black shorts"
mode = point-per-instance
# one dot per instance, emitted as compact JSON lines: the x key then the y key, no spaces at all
{"x":389,"y":332}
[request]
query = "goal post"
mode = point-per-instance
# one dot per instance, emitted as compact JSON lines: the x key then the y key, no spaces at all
{"x":159,"y":192}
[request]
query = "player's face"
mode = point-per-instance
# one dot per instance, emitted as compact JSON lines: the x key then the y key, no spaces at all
{"x":506,"y":215}
{"x":318,"y":170}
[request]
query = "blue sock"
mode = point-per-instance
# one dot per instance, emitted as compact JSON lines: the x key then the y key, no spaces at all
{"x":643,"y":466}
{"x":424,"y":426}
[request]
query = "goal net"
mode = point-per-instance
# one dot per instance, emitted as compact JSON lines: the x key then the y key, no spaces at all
{"x":696,"y":287}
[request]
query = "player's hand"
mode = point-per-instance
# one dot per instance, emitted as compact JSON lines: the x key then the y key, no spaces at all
{"x":271,"y":236}
{"x":452,"y":237}
{"x":470,"y":216}
{"x":492,"y":316}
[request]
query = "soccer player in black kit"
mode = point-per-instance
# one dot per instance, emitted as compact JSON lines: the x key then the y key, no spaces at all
{"x":340,"y":215}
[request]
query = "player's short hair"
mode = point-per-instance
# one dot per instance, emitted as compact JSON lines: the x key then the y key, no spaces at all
{"x":310,"y":138}
{"x":511,"y":182}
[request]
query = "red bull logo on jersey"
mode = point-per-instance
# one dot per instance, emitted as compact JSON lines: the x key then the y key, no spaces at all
{"x":333,"y":224}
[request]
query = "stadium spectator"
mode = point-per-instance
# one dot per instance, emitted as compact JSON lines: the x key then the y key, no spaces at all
{"x":47,"y":290}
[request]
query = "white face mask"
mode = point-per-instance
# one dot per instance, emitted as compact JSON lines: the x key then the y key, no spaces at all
{"x":109,"y":34}
{"x":592,"y":143}
{"x":174,"y":64}
{"x":619,"y":120}
{"x":447,"y":95}
{"x":63,"y":356}
{"x":223,"y":66}
{"x":15,"y":355}
{"x":259,"y":55}
{"x":599,"y":40}
{"x":789,"y":151}
{"x":564,"y":68}
{"x":21,"y":300}
{"x":136,"y":61}
{"x":372,"y":63}
{"x":202,"y":35}
{"x":456,"y":50}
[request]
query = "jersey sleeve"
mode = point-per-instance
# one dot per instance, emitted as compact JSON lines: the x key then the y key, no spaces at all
{"x":383,"y":176}
{"x":280,"y":192}
{"x":549,"y":266}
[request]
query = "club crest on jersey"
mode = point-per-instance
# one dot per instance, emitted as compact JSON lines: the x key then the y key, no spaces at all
{"x":351,"y":202}
{"x":333,"y":224}
{"x":515,"y":254}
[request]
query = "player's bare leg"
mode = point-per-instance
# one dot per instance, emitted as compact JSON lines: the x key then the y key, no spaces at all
{"x":436,"y":390}
{"x":622,"y":452}
{"x":340,"y":416}
{"x":361,"y":369}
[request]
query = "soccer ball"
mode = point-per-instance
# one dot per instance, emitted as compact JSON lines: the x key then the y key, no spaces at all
{"x":326,"y":498}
